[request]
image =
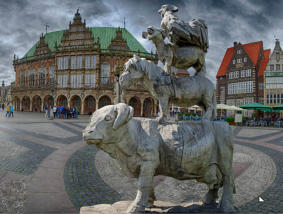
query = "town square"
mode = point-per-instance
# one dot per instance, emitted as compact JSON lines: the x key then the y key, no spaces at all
{"x":141,"y":107}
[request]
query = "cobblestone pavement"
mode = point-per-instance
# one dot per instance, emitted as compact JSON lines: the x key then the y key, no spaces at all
{"x":46,"y":168}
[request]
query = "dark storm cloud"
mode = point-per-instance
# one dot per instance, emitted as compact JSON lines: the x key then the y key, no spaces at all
{"x":228,"y":21}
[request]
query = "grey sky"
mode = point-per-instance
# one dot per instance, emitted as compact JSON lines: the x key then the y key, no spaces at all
{"x":22,"y":22}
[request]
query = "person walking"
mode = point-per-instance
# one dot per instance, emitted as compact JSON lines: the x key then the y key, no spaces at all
{"x":11,"y":110}
{"x":8,"y":111}
{"x":3,"y":106}
{"x":46,"y":111}
{"x":54,"y":111}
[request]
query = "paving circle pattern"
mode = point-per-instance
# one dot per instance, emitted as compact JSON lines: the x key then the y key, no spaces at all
{"x":93,"y":177}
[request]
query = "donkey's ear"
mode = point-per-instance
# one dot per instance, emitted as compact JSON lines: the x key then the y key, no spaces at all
{"x":137,"y":58}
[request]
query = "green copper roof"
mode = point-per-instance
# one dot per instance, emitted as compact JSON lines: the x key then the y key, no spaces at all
{"x":105,"y":35}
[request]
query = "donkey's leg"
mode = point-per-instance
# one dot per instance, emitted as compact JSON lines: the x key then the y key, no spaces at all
{"x":226,"y":203}
{"x":145,"y":185}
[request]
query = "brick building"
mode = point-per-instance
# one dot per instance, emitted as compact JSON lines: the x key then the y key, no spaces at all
{"x":76,"y":68}
{"x":273,"y":77}
{"x":239,"y":79}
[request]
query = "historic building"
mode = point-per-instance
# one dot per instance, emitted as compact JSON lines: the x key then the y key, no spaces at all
{"x":77,"y":68}
{"x":239,"y":79}
{"x":5,"y":94}
{"x":273,"y":77}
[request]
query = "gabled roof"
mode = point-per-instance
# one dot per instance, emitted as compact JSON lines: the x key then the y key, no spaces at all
{"x":264,"y":62}
{"x":105,"y":35}
{"x":252,"y":49}
{"x":225,"y":62}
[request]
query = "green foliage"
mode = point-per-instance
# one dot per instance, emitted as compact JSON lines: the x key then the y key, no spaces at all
{"x":230,"y":119}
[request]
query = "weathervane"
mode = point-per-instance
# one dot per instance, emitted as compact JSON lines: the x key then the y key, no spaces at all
{"x":46,"y":26}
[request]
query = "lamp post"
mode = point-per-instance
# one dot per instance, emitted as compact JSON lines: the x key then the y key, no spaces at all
{"x":117,"y":88}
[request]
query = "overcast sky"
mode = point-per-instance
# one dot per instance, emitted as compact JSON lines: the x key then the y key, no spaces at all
{"x":22,"y":22}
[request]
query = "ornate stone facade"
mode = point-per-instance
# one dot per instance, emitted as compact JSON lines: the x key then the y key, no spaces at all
{"x":76,"y":68}
{"x":273,"y":77}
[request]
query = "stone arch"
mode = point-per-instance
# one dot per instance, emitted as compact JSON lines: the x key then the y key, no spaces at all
{"x":62,"y":101}
{"x":48,"y":100}
{"x":89,"y":104}
{"x":136,"y":104}
{"x":25,"y":103}
{"x":148,"y":107}
{"x":76,"y":102}
{"x":104,"y":101}
{"x":17,"y":104}
{"x":36,"y":103}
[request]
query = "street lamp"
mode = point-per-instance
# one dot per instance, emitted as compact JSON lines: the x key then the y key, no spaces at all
{"x":117,"y":88}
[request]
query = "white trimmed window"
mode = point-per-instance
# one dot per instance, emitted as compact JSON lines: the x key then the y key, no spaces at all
{"x":243,"y":73}
{"x":236,"y":74}
{"x":90,"y":80}
{"x":248,"y":73}
{"x":234,"y":61}
{"x":76,"y":62}
{"x":238,"y":51}
{"x":245,"y":59}
{"x":239,"y":60}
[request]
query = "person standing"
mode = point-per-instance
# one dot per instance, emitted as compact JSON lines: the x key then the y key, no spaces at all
{"x":8,"y":111}
{"x":11,"y":110}
{"x":3,"y":106}
{"x":54,"y":111}
{"x":46,"y":111}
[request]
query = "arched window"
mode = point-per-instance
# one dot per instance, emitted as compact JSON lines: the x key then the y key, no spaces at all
{"x":105,"y":73}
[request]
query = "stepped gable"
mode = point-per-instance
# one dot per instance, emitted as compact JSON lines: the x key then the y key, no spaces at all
{"x":119,"y":43}
{"x":252,"y":49}
{"x":42,"y":47}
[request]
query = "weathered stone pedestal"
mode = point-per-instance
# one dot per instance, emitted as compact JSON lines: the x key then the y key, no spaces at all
{"x":159,"y":207}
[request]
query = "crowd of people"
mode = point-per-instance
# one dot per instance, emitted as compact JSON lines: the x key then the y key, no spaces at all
{"x":61,"y":112}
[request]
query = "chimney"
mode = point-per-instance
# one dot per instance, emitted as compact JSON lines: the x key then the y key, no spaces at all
{"x":235,"y":44}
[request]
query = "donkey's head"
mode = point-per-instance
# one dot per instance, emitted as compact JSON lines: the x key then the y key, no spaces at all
{"x":154,"y":34}
{"x":132,"y":72}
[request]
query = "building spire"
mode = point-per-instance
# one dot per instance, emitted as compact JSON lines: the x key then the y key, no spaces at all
{"x":277,"y":45}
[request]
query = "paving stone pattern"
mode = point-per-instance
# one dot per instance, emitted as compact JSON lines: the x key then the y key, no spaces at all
{"x":82,"y":181}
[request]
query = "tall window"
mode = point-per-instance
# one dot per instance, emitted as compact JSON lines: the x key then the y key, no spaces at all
{"x":66,"y":62}
{"x":89,"y":80}
{"x":23,"y":78}
{"x":238,"y":51}
{"x":76,"y":80}
{"x":60,"y":63}
{"x":90,"y":62}
{"x":51,"y":74}
{"x":105,"y":73}
{"x":234,"y":61}
{"x":41,"y":76}
{"x":248,"y":73}
{"x":239,"y":60}
{"x":277,"y":67}
{"x":31,"y":77}
{"x":62,"y":80}
{"x":76,"y":62}
{"x":245,"y":59}
{"x":243,"y":73}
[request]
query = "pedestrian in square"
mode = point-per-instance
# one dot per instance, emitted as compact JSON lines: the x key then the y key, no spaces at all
{"x":8,"y":111}
{"x":54,"y":111}
{"x":11,"y":110}
{"x":46,"y":111}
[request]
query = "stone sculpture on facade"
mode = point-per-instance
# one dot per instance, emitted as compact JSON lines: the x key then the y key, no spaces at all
{"x":186,"y":91}
{"x":144,"y":148}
